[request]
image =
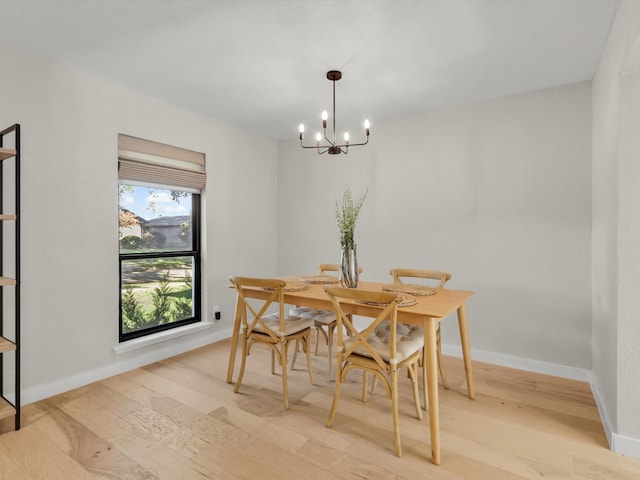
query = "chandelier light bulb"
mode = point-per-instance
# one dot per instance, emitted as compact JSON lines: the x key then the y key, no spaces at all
{"x":325,"y":115}
{"x":301,"y":129}
{"x":366,"y":126}
{"x":346,"y":137}
{"x":318,"y":137}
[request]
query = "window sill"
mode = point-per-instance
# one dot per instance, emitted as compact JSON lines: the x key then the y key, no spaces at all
{"x":152,"y":339}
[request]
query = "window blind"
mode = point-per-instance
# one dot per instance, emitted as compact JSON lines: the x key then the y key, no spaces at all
{"x":151,"y":162}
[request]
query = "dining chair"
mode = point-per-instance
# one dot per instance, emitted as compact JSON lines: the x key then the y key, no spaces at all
{"x":424,"y":288}
{"x":322,"y":319}
{"x":274,"y":330}
{"x":382,"y":348}
{"x":440,"y":278}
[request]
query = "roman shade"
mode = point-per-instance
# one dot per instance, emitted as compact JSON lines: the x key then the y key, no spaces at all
{"x":159,"y":164}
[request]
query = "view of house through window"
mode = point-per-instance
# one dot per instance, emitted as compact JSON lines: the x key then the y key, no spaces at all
{"x":158,"y":259}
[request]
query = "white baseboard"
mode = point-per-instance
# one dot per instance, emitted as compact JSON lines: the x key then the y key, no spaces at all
{"x":135,"y":360}
{"x":604,"y":413}
{"x":628,"y":446}
{"x":618,"y":443}
{"x":527,"y":364}
{"x":621,"y":444}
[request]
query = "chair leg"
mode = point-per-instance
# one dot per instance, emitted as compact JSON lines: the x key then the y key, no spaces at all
{"x":336,"y":392}
{"x":374,"y":384}
{"x":413,"y":373}
{"x":365,"y":380}
{"x":299,"y":344}
{"x":242,"y":364}
{"x":319,"y":331}
{"x":283,"y":362}
{"x":273,"y":363}
{"x":424,"y":380}
{"x":295,"y":355}
{"x":330,"y":329}
{"x":307,"y":339}
{"x":445,"y":384}
{"x":394,"y":411}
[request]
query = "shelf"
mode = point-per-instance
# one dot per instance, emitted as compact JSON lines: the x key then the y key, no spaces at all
{"x":4,"y":281}
{"x":6,"y":153}
{"x":6,"y":409}
{"x":10,"y":407}
{"x":6,"y":345}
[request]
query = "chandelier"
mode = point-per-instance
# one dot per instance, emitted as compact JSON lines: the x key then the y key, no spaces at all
{"x":330,"y":145}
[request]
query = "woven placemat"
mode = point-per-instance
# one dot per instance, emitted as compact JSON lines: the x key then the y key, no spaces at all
{"x":406,"y":300}
{"x":419,"y":290}
{"x":321,"y":279}
{"x":291,"y":287}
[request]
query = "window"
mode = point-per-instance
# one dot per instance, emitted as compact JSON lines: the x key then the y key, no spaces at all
{"x":159,"y":235}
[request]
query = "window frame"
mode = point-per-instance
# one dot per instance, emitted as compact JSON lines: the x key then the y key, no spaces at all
{"x":195,"y":252}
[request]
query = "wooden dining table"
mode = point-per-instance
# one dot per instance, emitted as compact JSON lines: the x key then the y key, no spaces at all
{"x":428,"y":311}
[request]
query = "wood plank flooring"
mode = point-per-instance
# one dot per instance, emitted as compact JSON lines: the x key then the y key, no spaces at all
{"x":179,"y":419}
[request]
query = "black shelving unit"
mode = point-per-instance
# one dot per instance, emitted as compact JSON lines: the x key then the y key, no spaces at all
{"x":10,"y":271}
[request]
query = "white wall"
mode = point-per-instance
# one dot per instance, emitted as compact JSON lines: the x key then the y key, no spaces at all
{"x":616,"y":231}
{"x":497,"y":193}
{"x":70,"y":123}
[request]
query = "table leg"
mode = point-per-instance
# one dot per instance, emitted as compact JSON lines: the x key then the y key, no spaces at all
{"x":466,"y":350}
{"x":431,"y":366}
{"x":234,"y":340}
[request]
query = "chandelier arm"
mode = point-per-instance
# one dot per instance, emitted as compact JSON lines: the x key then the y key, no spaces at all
{"x":353,"y":144}
{"x":334,"y":137}
{"x":307,"y":146}
{"x":317,"y":147}
{"x":314,"y":146}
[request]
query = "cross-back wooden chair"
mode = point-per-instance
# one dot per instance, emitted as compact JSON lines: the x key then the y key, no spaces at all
{"x":274,"y":330}
{"x":440,"y":278}
{"x":322,"y":319}
{"x":376,"y":349}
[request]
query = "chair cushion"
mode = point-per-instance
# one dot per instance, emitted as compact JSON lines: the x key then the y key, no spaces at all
{"x":292,"y":324}
{"x":409,"y":339}
{"x":325,"y":317}
{"x":303,"y":311}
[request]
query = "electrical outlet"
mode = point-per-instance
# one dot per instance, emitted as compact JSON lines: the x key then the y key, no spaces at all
{"x":216,"y":312}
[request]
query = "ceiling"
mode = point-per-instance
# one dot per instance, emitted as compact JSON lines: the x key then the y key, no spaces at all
{"x":261,"y":65}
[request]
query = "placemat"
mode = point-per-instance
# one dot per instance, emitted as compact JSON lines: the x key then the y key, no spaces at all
{"x":319,"y":279}
{"x":406,"y":300}
{"x":291,"y":287}
{"x":419,"y":290}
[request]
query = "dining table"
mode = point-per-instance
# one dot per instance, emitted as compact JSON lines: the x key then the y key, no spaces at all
{"x":427,"y":311}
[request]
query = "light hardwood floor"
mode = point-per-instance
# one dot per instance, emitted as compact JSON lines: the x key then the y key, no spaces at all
{"x":179,"y":419}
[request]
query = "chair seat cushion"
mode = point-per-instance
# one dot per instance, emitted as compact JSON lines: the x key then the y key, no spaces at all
{"x":292,"y":324}
{"x":409,"y":340}
{"x":325,"y":317}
